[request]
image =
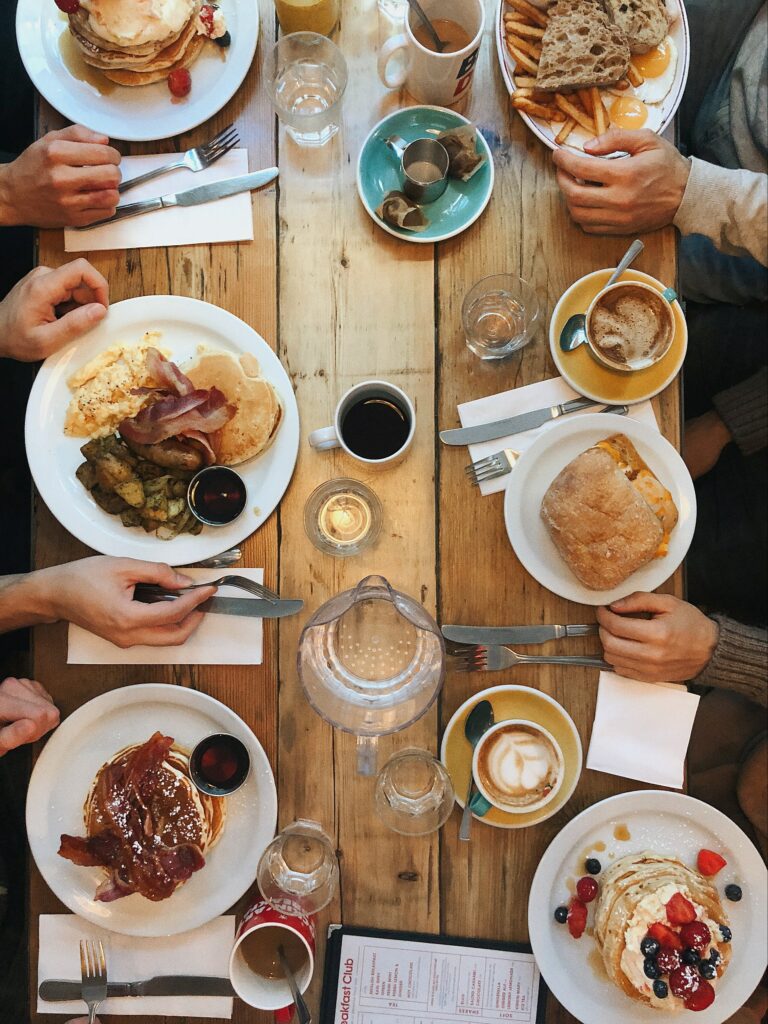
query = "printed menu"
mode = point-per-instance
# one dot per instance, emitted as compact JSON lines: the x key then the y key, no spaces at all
{"x":398,"y":980}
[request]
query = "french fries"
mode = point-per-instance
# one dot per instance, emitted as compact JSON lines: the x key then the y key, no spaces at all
{"x":565,"y":131}
{"x":599,"y":112}
{"x":522,"y":59}
{"x":541,"y":110}
{"x":578,"y":115}
{"x":634,"y":76}
{"x":533,"y":13}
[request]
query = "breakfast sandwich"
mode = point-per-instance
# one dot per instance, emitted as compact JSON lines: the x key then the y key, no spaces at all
{"x":608,"y":514}
{"x":146,"y":823}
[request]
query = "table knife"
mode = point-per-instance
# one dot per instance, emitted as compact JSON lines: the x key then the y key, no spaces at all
{"x":248,"y":606}
{"x":194,"y":196}
{"x":172,"y":985}
{"x":514,"y":424}
{"x":493,"y":635}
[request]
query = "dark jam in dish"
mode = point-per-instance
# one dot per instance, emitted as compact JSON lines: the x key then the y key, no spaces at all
{"x":219,"y":764}
{"x":216,"y":495}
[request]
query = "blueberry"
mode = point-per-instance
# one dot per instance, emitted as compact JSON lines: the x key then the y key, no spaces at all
{"x":691,"y":957}
{"x":707,"y":970}
{"x":725,"y":933}
{"x":714,"y":956}
{"x":223,"y":41}
{"x":651,"y":968}
{"x":733,"y":893}
{"x":649,"y":946}
{"x":660,"y":989}
{"x":593,"y":866}
{"x":561,"y":915}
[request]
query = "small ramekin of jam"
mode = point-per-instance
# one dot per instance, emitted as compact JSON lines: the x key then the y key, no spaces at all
{"x":216,"y":495}
{"x":219,"y":764}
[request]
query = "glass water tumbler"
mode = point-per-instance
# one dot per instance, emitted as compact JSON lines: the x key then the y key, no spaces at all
{"x":500,"y":315}
{"x":306,"y":75}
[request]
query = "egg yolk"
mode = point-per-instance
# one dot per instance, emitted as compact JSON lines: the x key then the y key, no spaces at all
{"x":655,"y":62}
{"x":629,"y":112}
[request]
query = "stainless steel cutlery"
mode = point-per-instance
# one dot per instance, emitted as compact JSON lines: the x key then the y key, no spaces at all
{"x":499,"y":635}
{"x":494,"y":659}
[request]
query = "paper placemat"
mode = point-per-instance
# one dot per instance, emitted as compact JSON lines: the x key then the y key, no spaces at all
{"x":218,"y":640}
{"x":224,"y":220}
{"x":642,"y":730}
{"x":203,"y":952}
{"x":542,"y":395}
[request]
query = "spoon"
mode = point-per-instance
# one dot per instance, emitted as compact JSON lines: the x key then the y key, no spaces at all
{"x":574,"y":332}
{"x":479,"y":721}
{"x":302,"y":1011}
{"x":419,"y":12}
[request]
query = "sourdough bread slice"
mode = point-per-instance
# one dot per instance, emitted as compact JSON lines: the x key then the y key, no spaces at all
{"x":644,"y":22}
{"x":581,"y":47}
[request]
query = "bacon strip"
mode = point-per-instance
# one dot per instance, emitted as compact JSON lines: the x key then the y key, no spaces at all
{"x":202,"y":410}
{"x":168,"y":373}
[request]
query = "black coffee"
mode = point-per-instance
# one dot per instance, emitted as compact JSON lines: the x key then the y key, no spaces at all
{"x":375,"y":428}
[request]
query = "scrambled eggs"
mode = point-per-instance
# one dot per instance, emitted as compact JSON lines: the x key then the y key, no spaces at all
{"x":102,"y":389}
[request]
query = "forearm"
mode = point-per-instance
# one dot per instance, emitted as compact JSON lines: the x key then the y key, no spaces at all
{"x":730,"y":207}
{"x":740,"y":661}
{"x":26,"y":600}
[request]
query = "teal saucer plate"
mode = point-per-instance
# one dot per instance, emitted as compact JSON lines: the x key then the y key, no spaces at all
{"x":378,"y":173}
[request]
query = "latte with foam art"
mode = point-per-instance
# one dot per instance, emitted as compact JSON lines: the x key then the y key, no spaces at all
{"x":630,"y":326}
{"x":519,"y":766}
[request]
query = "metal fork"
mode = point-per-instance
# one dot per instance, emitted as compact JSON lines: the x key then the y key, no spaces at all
{"x":500,"y":463}
{"x":152,"y":590}
{"x":222,"y":561}
{"x":93,"y":971}
{"x":196,"y":159}
{"x":492,"y":659}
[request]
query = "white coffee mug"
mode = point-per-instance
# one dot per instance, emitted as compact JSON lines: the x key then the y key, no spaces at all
{"x":441,"y":79}
{"x":332,"y":437}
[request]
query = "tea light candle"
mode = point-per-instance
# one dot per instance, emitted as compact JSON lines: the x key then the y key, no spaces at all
{"x":345,"y":518}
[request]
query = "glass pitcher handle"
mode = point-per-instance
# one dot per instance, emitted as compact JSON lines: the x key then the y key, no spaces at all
{"x":367,"y":750}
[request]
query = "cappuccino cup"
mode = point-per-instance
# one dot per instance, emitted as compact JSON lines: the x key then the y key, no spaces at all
{"x":518,"y":766}
{"x":630,"y":325}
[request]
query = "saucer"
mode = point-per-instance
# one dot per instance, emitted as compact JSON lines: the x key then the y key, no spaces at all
{"x":377,"y":174}
{"x":510,"y":702}
{"x":583,"y":372}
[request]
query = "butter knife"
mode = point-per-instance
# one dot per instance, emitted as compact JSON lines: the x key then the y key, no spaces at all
{"x":194,"y":196}
{"x":172,"y":985}
{"x":495,"y":635}
{"x":514,"y":424}
{"x":253,"y":607}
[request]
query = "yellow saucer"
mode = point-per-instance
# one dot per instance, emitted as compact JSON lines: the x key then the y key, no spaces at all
{"x":513,"y":702}
{"x":583,"y":372}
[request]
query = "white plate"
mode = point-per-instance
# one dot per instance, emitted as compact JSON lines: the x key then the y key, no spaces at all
{"x":679,"y":32}
{"x":67,"y":766}
{"x":140,"y":113}
{"x":669,"y":824}
{"x":540,"y":464}
{"x":54,"y":457}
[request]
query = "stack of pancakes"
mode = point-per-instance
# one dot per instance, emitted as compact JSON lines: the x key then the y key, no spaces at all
{"x":137,"y":42}
{"x":633,"y":894}
{"x":183,"y":813}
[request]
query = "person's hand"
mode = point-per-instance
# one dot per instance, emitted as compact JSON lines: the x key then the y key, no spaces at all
{"x":631,"y":194}
{"x":68,"y":178}
{"x":703,"y":442}
{"x":676,"y":643}
{"x":97,"y":594}
{"x":48,"y":308}
{"x":27,"y":712}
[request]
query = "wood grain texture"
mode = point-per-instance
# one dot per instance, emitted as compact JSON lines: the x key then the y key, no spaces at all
{"x":342,"y":301}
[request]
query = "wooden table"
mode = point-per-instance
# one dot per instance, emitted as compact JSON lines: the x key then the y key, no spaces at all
{"x":340,"y":301}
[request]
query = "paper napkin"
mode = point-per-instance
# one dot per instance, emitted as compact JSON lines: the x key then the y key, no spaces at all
{"x":224,"y":220}
{"x":642,"y":730}
{"x":218,"y":640}
{"x":526,"y":399}
{"x":203,"y":952}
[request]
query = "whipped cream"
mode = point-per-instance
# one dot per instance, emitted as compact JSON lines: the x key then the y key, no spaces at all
{"x":650,"y":909}
{"x":213,"y":28}
{"x":137,"y":22}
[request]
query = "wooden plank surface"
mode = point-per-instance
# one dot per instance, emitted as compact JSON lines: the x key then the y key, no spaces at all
{"x":342,"y":301}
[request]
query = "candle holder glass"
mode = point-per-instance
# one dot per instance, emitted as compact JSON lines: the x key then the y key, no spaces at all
{"x":342,"y":517}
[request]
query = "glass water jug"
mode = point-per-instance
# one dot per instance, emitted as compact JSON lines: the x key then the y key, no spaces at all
{"x":371,"y":661}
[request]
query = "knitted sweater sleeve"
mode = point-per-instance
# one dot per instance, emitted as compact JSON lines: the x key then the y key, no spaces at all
{"x":744,"y":410}
{"x":740,"y":661}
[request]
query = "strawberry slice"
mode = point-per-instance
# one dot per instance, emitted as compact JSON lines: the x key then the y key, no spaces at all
{"x":665,"y":937}
{"x":709,"y":863}
{"x":577,"y":918}
{"x":703,"y":997}
{"x":696,"y":935}
{"x":680,"y":910}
